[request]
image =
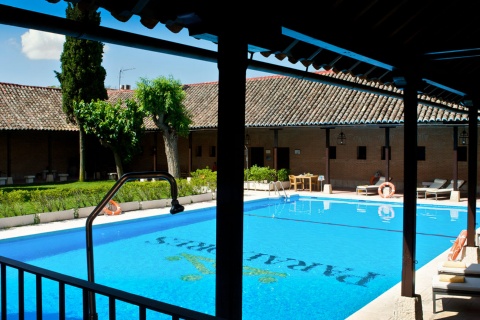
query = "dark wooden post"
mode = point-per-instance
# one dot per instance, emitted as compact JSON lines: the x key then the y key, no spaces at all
{"x":232,"y":67}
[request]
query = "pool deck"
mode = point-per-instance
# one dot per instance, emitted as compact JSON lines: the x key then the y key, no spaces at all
{"x":382,"y":308}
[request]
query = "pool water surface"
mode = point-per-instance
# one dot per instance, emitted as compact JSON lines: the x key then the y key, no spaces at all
{"x":304,"y":257}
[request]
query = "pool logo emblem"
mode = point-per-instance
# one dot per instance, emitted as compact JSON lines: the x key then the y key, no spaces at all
{"x":206,"y":266}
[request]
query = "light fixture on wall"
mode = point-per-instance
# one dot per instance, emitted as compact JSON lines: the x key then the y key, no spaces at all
{"x":342,"y":139}
{"x":247,"y":139}
{"x":463,"y":138}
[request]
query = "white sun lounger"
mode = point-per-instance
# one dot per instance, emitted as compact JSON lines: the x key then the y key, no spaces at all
{"x":437,"y":183}
{"x":366,"y":189}
{"x":444,"y":191}
{"x":469,"y":288}
{"x":473,"y":270}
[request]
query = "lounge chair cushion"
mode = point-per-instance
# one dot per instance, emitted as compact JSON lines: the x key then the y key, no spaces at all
{"x":450,"y":278}
{"x":454,"y":264}
{"x":471,"y":284}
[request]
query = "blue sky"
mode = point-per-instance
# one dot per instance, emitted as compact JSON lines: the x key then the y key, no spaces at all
{"x":30,"y":57}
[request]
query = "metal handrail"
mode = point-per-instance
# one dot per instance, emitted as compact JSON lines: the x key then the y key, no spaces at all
{"x":276,"y":189}
{"x":176,"y":208}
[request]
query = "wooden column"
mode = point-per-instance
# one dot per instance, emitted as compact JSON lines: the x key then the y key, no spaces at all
{"x":190,"y":143}
{"x":275,"y":149}
{"x":455,"y":158}
{"x":232,"y":66}
{"x":410,"y":102}
{"x":472,"y":104}
{"x":327,"y":156}
{"x":387,"y":153}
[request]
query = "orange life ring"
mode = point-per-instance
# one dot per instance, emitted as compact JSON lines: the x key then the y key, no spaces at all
{"x":373,"y":180}
{"x":458,"y":245}
{"x":383,"y":185}
{"x":112,"y":204}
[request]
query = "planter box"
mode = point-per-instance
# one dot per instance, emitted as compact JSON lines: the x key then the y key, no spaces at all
{"x":17,"y":221}
{"x":129,"y":206}
{"x":56,"y":216}
{"x":201,"y":197}
{"x":85,"y":212}
{"x":252,"y":185}
{"x":154,"y":204}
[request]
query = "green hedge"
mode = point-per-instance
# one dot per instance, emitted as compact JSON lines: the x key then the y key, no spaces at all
{"x":256,"y":173}
{"x":22,"y":200}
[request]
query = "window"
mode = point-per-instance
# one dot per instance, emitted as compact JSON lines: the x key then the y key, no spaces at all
{"x":361,"y":153}
{"x":212,"y":151}
{"x":332,"y":152}
{"x":383,"y":157}
{"x":420,"y":153}
{"x":198,"y":151}
{"x":462,"y":154}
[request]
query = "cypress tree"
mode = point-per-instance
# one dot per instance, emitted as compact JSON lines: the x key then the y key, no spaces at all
{"x":82,"y":77}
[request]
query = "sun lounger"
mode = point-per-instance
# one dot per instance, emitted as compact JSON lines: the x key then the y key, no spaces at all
{"x":454,"y":285}
{"x":459,"y":268}
{"x":447,"y":191}
{"x":437,"y":183}
{"x":366,"y":189}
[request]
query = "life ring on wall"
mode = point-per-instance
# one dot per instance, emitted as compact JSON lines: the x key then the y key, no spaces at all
{"x":383,"y":185}
{"x":108,"y":209}
{"x":374,"y":179}
{"x":458,"y":245}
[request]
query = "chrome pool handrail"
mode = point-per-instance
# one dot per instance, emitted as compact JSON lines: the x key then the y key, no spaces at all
{"x":176,"y":208}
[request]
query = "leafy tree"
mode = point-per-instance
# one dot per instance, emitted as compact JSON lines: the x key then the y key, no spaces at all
{"x":162,"y":99}
{"x":82,"y":77}
{"x":118,"y":127}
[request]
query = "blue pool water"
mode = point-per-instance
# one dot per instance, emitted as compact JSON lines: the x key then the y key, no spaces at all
{"x":304,"y":258}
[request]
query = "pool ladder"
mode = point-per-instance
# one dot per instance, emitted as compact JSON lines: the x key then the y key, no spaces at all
{"x":276,"y":189}
{"x":176,"y":208}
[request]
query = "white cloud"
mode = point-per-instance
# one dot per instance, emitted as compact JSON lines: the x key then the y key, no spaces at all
{"x":38,"y":45}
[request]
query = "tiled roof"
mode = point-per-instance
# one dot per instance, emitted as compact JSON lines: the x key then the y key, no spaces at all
{"x":31,"y":108}
{"x":271,"y":101}
{"x":278,"y":101}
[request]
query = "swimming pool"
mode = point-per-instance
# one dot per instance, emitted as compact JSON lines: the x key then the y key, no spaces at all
{"x":304,"y":257}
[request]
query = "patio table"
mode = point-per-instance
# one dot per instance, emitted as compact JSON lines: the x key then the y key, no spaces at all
{"x":306,"y":177}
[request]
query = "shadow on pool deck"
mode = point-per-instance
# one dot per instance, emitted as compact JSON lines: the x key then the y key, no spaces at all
{"x":382,"y":308}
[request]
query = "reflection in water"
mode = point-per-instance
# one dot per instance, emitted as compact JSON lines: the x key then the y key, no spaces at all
{"x":386,"y":212}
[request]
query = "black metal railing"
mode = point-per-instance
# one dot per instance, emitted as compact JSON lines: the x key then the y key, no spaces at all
{"x":144,"y":304}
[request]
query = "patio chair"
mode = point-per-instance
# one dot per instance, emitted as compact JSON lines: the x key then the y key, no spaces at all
{"x":437,"y":183}
{"x":447,"y":191}
{"x":294,"y":182}
{"x":367,"y":189}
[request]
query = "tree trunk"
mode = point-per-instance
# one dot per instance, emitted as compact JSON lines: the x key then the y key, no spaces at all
{"x":171,"y":151}
{"x":81,"y":166}
{"x":118,"y":163}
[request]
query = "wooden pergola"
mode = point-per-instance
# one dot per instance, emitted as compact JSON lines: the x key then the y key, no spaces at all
{"x":427,"y":49}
